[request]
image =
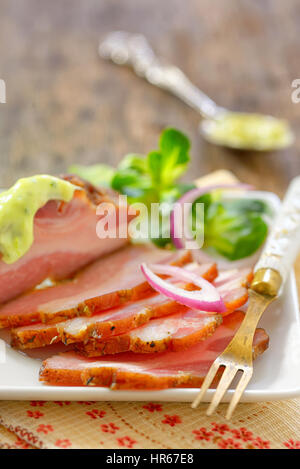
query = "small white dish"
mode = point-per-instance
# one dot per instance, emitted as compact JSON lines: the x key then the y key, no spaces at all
{"x":276,"y":372}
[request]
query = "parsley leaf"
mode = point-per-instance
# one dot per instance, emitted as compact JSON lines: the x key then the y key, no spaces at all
{"x":147,"y":179}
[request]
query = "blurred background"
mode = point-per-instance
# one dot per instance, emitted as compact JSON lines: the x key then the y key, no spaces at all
{"x":66,"y":105}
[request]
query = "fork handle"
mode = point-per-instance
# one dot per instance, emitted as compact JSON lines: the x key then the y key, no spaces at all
{"x":283,"y":243}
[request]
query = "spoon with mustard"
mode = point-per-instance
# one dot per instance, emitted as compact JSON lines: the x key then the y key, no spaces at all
{"x":239,"y":130}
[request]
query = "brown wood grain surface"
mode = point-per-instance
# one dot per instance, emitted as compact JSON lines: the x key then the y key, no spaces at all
{"x":66,"y":105}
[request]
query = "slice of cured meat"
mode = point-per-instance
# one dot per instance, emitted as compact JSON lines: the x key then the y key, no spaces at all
{"x":233,"y":286}
{"x":113,"y":280}
{"x":139,"y":371}
{"x":176,"y":332}
{"x":105,"y":324}
{"x":65,"y":240}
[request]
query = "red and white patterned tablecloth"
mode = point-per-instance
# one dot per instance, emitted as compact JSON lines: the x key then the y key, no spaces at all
{"x":38,"y":424}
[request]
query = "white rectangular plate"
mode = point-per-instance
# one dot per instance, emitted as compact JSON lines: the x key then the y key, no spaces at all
{"x":276,"y":372}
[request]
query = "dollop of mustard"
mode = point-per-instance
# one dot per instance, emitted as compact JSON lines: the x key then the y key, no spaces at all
{"x":18,"y":206}
{"x":250,"y":131}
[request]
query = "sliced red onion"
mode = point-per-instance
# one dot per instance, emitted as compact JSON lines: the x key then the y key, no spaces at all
{"x":190,"y":197}
{"x":207,"y":299}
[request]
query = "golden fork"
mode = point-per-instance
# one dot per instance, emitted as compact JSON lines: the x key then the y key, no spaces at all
{"x":270,"y":274}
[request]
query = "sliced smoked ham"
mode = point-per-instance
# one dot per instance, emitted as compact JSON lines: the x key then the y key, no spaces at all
{"x":105,"y":324}
{"x":176,"y":332}
{"x":139,"y":371}
{"x":112,"y":280}
{"x":65,"y":240}
{"x":233,"y":286}
{"x":123,"y":319}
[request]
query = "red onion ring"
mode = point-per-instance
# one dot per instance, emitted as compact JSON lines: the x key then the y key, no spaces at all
{"x":207,"y":299}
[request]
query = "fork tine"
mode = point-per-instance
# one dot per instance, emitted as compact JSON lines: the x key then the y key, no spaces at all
{"x":206,"y":383}
{"x":223,"y":385}
{"x":245,"y":378}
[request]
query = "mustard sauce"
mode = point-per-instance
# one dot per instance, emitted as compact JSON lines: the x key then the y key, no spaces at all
{"x":250,"y":131}
{"x":18,"y":206}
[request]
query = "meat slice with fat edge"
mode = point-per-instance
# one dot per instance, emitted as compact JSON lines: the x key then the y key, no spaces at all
{"x":112,"y":280}
{"x":176,"y":332}
{"x":105,"y":324}
{"x":65,"y":240}
{"x":231,"y":284}
{"x":168,"y":369}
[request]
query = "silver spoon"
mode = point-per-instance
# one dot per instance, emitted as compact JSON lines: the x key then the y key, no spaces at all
{"x":245,"y":131}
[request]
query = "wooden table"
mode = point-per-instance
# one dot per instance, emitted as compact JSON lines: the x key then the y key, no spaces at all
{"x":66,"y":105}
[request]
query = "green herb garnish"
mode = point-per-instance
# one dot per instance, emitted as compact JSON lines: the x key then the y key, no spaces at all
{"x":235,"y":228}
{"x":148,"y":179}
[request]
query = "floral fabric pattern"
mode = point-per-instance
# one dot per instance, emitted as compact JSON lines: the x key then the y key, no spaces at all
{"x":134,"y":425}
